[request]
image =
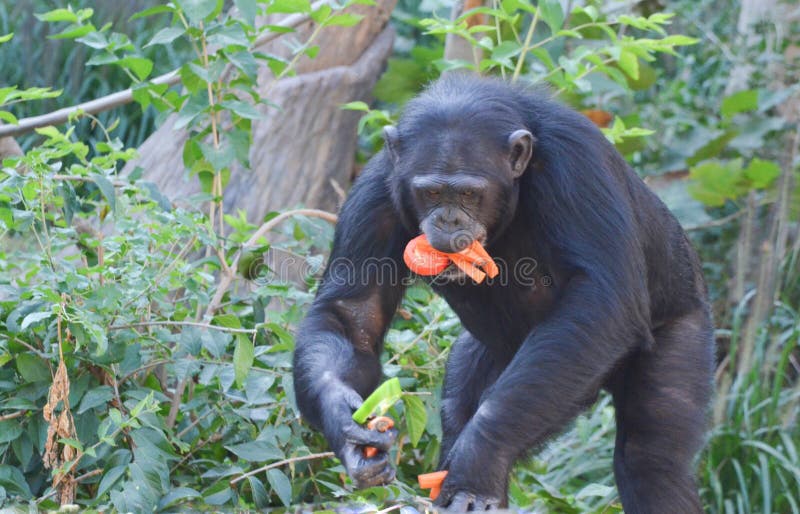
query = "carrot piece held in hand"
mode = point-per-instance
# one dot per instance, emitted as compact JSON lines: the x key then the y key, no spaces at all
{"x":424,"y":259}
{"x":381,"y":424}
{"x":432,"y":481}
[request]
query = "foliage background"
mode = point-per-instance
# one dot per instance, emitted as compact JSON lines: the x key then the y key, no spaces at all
{"x":126,"y":384}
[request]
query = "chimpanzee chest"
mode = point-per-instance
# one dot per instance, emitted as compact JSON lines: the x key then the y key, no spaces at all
{"x":501,"y":312}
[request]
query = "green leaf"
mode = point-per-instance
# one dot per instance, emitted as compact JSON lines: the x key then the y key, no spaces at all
{"x":248,"y":9}
{"x":159,"y":9}
{"x":281,"y":485}
{"x":140,"y":66}
{"x":34,"y":317}
{"x":509,"y":6}
{"x":198,"y":10}
{"x":416,"y":417}
{"x":356,"y":106}
{"x":629,"y":63}
{"x":107,"y":189}
{"x":762,"y":173}
{"x":552,"y":14}
{"x":6,"y":37}
{"x":227,"y":321}
{"x":505,"y":50}
{"x":57,"y":15}
{"x":176,"y":495}
{"x":10,"y":430}
{"x":243,"y":355}
{"x":32,"y":368}
{"x":243,"y":109}
{"x":74,"y":32}
{"x":14,"y":482}
{"x":743,"y":101}
{"x":96,"y":40}
{"x":95,"y":397}
{"x":715,"y":181}
{"x":380,"y":401}
{"x":289,"y":7}
{"x":344,"y":20}
{"x":322,"y":13}
{"x":166,"y":36}
{"x":260,"y":494}
{"x":256,"y":451}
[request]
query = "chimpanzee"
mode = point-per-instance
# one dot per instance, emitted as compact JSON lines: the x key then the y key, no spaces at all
{"x":610,"y":296}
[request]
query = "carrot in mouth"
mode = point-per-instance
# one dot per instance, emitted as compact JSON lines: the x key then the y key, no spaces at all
{"x":424,"y":259}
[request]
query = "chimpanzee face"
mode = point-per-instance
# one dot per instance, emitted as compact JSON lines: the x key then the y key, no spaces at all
{"x":461,"y":186}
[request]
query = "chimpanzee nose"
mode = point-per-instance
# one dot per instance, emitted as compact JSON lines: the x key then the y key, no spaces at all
{"x":450,"y":220}
{"x":450,"y":241}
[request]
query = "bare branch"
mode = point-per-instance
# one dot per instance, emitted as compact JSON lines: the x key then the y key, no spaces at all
{"x":313,"y":456}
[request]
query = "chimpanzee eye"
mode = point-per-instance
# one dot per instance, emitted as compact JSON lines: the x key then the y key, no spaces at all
{"x":466,"y":194}
{"x":433,"y":195}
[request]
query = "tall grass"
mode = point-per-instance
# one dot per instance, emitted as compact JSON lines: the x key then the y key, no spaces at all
{"x":752,"y":463}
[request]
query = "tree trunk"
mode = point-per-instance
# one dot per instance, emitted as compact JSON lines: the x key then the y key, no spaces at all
{"x":303,"y":152}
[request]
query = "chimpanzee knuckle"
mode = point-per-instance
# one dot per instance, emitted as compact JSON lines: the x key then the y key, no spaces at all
{"x":372,"y":472}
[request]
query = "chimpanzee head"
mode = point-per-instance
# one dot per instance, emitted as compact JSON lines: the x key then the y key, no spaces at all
{"x":457,"y":163}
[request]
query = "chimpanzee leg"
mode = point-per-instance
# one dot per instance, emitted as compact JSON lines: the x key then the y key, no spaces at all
{"x":662,"y":413}
{"x":470,"y":370}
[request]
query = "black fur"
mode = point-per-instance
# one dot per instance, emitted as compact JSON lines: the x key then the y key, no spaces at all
{"x":612,"y":298}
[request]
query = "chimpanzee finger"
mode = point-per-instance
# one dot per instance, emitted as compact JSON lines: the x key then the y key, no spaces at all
{"x":367,"y":472}
{"x":460,"y":502}
{"x":382,"y":477}
{"x":358,"y":435}
{"x":482,"y":503}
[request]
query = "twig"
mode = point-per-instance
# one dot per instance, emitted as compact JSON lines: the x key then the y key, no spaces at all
{"x":199,"y":419}
{"x":525,"y":47}
{"x":184,"y":323}
{"x":211,"y":439}
{"x":323,"y":455}
{"x":227,"y":278}
{"x":81,"y":178}
{"x":85,"y":476}
{"x":120,"y":98}
{"x":390,"y":509}
{"x":717,"y":222}
{"x":13,"y":415}
{"x":142,"y":368}
{"x":176,"y":403}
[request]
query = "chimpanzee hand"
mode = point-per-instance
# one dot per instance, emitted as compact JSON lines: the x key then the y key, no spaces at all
{"x":477,"y":476}
{"x":348,"y":439}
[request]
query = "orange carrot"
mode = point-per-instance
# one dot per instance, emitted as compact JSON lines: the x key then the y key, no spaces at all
{"x":423,"y":259}
{"x":432,"y":481}
{"x":381,"y":424}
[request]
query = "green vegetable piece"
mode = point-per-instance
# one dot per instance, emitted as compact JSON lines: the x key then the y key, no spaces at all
{"x":380,"y":401}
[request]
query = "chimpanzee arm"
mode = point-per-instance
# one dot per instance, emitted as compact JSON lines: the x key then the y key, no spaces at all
{"x":336,"y":360}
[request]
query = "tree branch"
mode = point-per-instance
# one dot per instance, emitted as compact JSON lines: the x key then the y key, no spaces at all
{"x":280,"y":463}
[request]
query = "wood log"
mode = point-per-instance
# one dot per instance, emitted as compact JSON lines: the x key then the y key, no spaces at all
{"x":305,"y":150}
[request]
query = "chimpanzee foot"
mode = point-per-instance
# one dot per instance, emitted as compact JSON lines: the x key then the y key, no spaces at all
{"x":469,"y":502}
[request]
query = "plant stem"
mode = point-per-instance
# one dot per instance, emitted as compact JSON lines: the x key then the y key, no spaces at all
{"x":525,"y":46}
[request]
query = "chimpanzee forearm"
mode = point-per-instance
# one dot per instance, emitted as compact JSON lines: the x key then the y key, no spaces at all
{"x":558,"y":369}
{"x":325,"y":360}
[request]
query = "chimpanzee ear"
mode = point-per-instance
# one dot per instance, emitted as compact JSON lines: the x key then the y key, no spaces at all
{"x":520,"y":144}
{"x":392,"y":141}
